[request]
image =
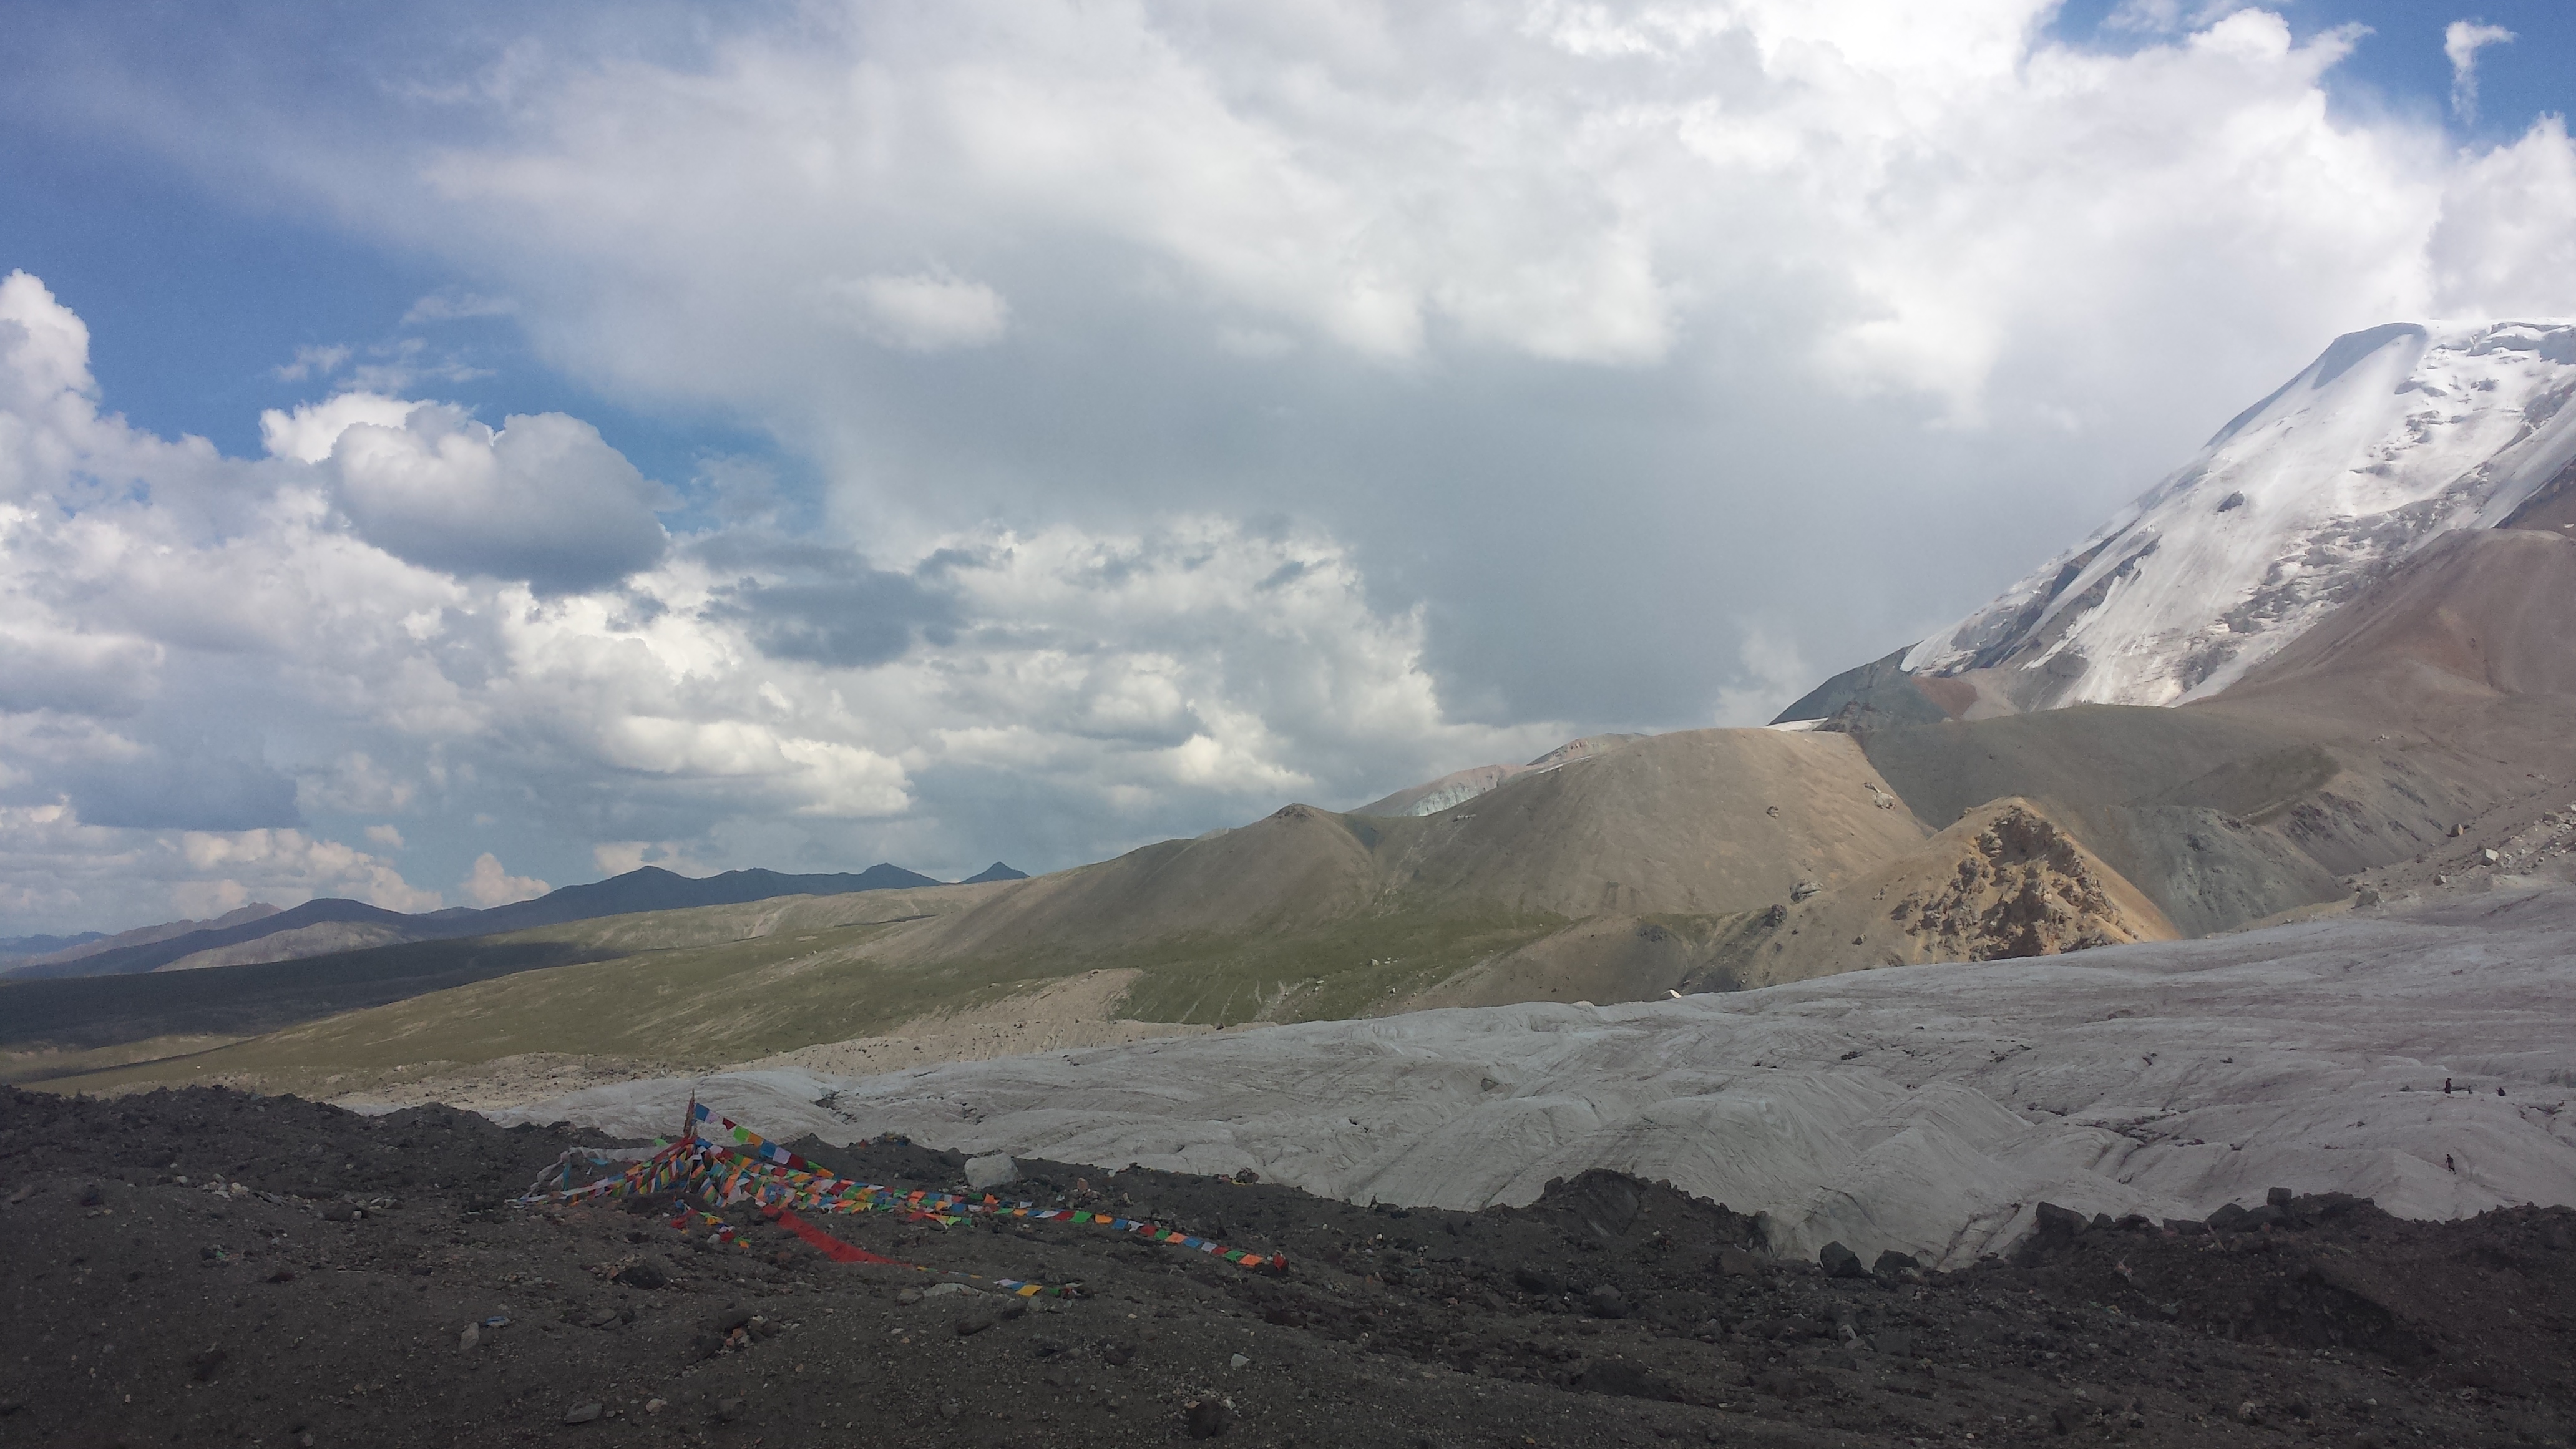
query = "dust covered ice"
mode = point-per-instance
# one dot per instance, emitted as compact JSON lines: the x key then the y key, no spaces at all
{"x":1927,"y":1109}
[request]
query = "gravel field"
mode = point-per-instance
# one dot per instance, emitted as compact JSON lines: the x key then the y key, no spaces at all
{"x":210,"y":1268}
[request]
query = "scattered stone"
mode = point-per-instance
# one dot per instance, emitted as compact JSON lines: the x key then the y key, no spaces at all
{"x":1737,"y":1263}
{"x":472,"y":1335}
{"x":205,"y":1365}
{"x":91,"y":1196}
{"x":340,"y":1212}
{"x":2059,"y":1224}
{"x":1117,"y":1355}
{"x":727,"y":1410}
{"x":655,"y":1406}
{"x":1206,"y":1418}
{"x":1891,"y":1263}
{"x":1840,"y":1262}
{"x":1538,"y":1281}
{"x":1605,"y":1301}
{"x":604,"y":1318}
{"x":950,"y":1408}
{"x":582,"y":1413}
{"x":908,"y":1297}
{"x":643,"y":1273}
{"x":945,"y":1290}
{"x":1238,"y":1361}
{"x":974,"y":1321}
{"x":986,"y":1173}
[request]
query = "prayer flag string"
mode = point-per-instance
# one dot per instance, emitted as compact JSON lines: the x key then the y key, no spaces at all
{"x":778,"y":1182}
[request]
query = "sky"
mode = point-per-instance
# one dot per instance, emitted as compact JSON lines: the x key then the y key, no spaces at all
{"x":447,"y":452}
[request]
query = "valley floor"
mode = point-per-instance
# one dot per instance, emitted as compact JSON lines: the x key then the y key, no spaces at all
{"x":207,"y":1268}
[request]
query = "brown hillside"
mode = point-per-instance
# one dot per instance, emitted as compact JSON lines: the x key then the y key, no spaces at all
{"x":1703,"y":821}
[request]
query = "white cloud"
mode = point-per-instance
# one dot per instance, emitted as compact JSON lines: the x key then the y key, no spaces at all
{"x":925,"y":312}
{"x":311,"y":361}
{"x":457,"y":306}
{"x":53,"y":866}
{"x":543,"y":499}
{"x":2506,"y":245}
{"x":617,"y":857}
{"x":488,"y":885}
{"x":309,"y":432}
{"x":44,"y":357}
{"x":2461,"y":42}
{"x":386,"y":836}
{"x":1772,"y":674}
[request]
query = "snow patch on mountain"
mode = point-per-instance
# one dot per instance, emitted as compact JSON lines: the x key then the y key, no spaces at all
{"x":2392,"y":437}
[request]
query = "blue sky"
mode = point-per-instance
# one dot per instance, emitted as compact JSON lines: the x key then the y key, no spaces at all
{"x":1036,"y":430}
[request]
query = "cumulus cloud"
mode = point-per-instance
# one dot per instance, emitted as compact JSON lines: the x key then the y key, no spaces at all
{"x":2461,"y":42}
{"x":544,"y":499}
{"x":488,"y":885}
{"x":308,"y":433}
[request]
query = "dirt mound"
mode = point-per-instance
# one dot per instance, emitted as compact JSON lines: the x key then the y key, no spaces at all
{"x":207,"y":1268}
{"x":2007,"y":881}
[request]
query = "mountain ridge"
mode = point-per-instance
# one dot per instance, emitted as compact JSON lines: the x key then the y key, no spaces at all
{"x":646,"y":888}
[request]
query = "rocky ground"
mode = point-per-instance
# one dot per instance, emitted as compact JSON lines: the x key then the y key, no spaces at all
{"x":210,"y":1268}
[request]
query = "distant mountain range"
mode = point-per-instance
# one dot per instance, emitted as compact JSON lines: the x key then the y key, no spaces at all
{"x":259,"y":933}
{"x":19,"y":948}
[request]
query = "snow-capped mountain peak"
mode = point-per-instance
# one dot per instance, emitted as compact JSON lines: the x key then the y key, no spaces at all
{"x":2391,"y":437}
